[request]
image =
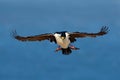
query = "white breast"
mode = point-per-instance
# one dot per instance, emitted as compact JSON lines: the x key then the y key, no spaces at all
{"x":63,"y":43}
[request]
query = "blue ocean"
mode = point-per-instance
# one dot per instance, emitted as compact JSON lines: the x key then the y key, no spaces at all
{"x":97,"y":59}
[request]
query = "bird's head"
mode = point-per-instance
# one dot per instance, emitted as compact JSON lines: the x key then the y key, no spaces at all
{"x":62,"y":34}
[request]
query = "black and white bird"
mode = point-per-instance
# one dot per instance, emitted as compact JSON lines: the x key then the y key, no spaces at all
{"x":63,"y":39}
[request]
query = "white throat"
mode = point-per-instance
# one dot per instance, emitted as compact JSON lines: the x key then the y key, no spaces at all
{"x":64,"y":43}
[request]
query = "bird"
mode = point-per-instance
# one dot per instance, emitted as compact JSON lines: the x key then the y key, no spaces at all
{"x":63,"y":39}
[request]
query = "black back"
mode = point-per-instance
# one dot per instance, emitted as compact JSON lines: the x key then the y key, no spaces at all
{"x":62,"y":33}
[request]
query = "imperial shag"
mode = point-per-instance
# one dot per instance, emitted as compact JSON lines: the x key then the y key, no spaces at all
{"x":63,"y":39}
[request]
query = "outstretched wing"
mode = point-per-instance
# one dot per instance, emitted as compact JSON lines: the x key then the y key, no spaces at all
{"x":104,"y":30}
{"x":47,"y":36}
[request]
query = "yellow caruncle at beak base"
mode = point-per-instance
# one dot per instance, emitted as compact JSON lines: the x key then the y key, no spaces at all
{"x":62,"y":38}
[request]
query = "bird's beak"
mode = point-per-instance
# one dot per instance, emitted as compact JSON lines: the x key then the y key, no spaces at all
{"x":62,"y":38}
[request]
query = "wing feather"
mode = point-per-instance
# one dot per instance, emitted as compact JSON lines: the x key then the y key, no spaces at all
{"x":47,"y":36}
{"x":104,"y":30}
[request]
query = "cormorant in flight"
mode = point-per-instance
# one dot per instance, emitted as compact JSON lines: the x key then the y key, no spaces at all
{"x":63,"y":39}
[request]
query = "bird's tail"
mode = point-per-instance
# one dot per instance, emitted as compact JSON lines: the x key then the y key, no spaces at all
{"x":66,"y":51}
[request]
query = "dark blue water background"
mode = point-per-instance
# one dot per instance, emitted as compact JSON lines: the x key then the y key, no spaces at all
{"x":97,"y":59}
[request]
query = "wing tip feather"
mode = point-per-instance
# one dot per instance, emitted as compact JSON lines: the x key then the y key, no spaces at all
{"x":104,"y":30}
{"x":16,"y":36}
